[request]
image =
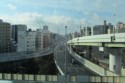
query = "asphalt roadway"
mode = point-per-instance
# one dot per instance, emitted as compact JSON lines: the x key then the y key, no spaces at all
{"x":67,"y":63}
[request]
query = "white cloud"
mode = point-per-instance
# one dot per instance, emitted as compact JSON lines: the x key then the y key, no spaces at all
{"x":83,"y":22}
{"x":35,"y":20}
{"x":98,"y":3}
{"x":11,"y":6}
{"x":96,"y":19}
{"x":59,"y":13}
{"x":58,"y":20}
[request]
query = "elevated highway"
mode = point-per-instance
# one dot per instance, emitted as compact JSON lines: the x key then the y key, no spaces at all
{"x":75,"y":73}
{"x":7,"y":57}
{"x":105,"y":40}
{"x":66,"y":63}
{"x":113,"y":44}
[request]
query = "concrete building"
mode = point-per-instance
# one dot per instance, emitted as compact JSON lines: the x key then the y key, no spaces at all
{"x":46,"y":40}
{"x":102,"y":29}
{"x":43,"y":38}
{"x":76,"y":34}
{"x":70,"y":36}
{"x":86,"y":31}
{"x":19,"y":35}
{"x":31,"y":38}
{"x":46,"y":36}
{"x":39,"y":39}
{"x":82,"y":33}
{"x":120,"y":27}
{"x":5,"y":37}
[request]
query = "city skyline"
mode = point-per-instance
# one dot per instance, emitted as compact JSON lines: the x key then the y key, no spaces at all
{"x":58,"y":14}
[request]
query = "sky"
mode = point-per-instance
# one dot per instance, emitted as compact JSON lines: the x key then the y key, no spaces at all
{"x":60,"y":13}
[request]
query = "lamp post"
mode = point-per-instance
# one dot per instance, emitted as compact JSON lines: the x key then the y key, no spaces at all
{"x":65,"y":50}
{"x":66,"y":32}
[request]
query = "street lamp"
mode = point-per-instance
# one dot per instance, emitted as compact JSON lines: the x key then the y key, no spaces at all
{"x":65,"y":50}
{"x":66,"y":31}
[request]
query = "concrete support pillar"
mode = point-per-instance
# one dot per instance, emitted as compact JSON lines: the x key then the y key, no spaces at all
{"x":87,"y":52}
{"x":115,"y":60}
{"x":70,"y":48}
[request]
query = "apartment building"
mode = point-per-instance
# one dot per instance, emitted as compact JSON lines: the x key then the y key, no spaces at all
{"x":19,"y":35}
{"x":5,"y":37}
{"x":31,"y":38}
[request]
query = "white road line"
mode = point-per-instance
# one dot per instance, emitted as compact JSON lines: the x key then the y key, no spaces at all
{"x":59,"y":68}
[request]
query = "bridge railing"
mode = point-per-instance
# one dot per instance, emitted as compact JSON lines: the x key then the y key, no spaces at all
{"x":62,"y":78}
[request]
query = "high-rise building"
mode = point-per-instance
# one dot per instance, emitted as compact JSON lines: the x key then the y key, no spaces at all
{"x":46,"y":40}
{"x":39,"y":39}
{"x":86,"y":31}
{"x":19,"y":35}
{"x":5,"y":37}
{"x":31,"y":38}
{"x":45,"y":28}
{"x":43,"y":38}
{"x":46,"y":36}
{"x":76,"y":34}
{"x":103,"y":29}
{"x":120,"y":27}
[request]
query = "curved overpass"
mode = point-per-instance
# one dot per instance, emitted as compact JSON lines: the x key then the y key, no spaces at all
{"x":6,"y":57}
{"x":113,"y":44}
{"x":104,"y":40}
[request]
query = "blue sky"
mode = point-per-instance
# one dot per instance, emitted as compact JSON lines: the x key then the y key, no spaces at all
{"x":58,"y":13}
